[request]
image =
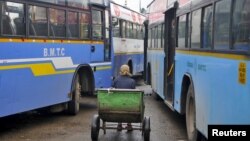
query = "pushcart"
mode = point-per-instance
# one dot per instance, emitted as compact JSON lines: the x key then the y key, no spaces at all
{"x":120,"y":105}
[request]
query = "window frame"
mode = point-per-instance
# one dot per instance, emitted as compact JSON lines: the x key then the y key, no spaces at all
{"x":203,"y":27}
{"x":1,"y":26}
{"x":47,"y":17}
{"x":162,"y":35}
{"x":25,"y":20}
{"x":191,"y":22}
{"x":46,"y":5}
{"x":102,"y":23}
{"x":89,"y":26}
{"x":229,"y":28}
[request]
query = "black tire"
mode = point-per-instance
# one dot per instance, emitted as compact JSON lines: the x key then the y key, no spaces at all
{"x":74,"y":105}
{"x":191,"y":115}
{"x":95,"y":127}
{"x":146,"y":128}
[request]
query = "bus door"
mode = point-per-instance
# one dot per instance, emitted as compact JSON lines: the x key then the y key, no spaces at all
{"x":100,"y":48}
{"x":145,"y":49}
{"x":169,"y":49}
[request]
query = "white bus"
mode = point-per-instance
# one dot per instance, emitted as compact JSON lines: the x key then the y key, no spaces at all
{"x":127,"y":39}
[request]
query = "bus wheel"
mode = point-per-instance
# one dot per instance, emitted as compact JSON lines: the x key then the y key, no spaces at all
{"x":73,"y":105}
{"x":191,"y":115}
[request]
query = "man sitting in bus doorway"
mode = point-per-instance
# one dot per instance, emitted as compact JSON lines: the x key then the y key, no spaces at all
{"x":124,"y":82}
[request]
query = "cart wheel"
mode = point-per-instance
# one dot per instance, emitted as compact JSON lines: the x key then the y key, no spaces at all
{"x":146,"y":128}
{"x":95,"y":127}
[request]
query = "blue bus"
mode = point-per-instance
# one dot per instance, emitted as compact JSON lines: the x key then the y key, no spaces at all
{"x":52,"y":52}
{"x":200,"y":69}
{"x":127,"y":39}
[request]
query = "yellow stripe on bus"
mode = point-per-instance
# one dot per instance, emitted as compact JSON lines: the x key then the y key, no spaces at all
{"x":103,"y":68}
{"x":217,"y":55}
{"x":38,"y":69}
{"x":43,"y":69}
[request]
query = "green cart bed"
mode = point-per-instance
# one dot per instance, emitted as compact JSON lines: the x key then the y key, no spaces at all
{"x":120,"y":105}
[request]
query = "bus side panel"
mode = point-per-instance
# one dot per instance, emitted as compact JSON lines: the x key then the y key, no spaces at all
{"x":25,"y":92}
{"x":203,"y":89}
{"x":103,"y":77}
{"x":97,"y":55}
{"x":219,"y":97}
{"x":35,"y":75}
{"x":156,"y":60}
{"x":126,"y":50}
{"x":230,"y":101}
{"x":184,"y":65}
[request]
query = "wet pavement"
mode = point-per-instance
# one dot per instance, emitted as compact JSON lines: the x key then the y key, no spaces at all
{"x":166,"y":125}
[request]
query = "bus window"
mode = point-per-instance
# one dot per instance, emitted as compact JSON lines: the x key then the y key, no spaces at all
{"x":96,"y":1}
{"x":57,"y":23}
{"x":61,"y":2}
{"x":163,"y":35}
{"x":196,"y":29}
{"x":241,"y":25}
{"x":116,"y":27}
{"x":123,"y":26}
{"x":135,"y":27}
{"x":159,"y":36}
{"x":97,"y":21}
{"x":142,"y":32}
{"x":131,"y":35}
{"x":13,"y":19}
{"x":107,"y":25}
{"x":155,"y":37}
{"x":73,"y":25}
{"x":78,"y":3}
{"x":221,"y":27}
{"x":182,"y":31}
{"x":149,"y":38}
{"x":128,"y":31}
{"x":38,"y":21}
{"x":131,"y":30}
{"x":84,"y":25}
{"x":188,"y":30}
{"x":207,"y":27}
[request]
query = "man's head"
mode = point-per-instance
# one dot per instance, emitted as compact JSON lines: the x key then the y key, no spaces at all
{"x":124,"y":70}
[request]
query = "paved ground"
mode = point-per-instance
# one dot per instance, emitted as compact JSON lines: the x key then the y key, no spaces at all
{"x":166,"y":125}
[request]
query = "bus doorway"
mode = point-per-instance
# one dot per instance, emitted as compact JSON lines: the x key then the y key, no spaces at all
{"x":169,"y":49}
